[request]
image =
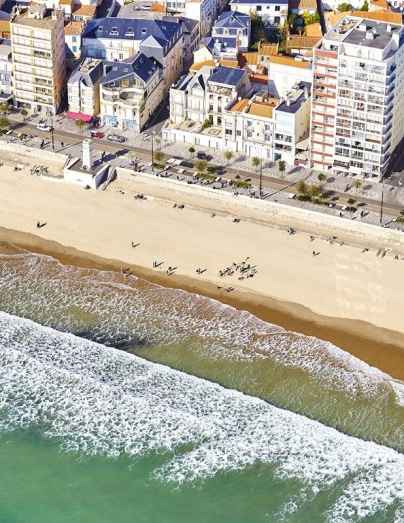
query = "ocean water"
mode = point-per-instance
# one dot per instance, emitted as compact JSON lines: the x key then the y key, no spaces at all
{"x":122,"y":401}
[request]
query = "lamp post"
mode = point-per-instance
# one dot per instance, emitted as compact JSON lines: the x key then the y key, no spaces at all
{"x":261,"y":175}
{"x":381,"y":207}
{"x":152,"y":150}
{"x":50,"y":114}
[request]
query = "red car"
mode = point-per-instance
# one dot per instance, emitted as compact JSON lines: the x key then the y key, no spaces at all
{"x":96,"y":134}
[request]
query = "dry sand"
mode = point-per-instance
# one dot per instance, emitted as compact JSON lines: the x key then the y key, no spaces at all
{"x":342,"y":294}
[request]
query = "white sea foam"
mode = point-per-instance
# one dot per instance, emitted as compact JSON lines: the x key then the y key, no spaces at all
{"x":100,"y":400}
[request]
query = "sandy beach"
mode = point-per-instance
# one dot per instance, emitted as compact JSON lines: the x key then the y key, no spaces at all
{"x":332,"y":291}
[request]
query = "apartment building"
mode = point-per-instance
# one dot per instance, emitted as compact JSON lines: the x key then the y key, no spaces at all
{"x":272,"y":12}
{"x":83,"y":89}
{"x":248,"y":126}
{"x":358,"y":97}
{"x":116,"y":39}
{"x":6,"y":83}
{"x":131,"y":91}
{"x":232,"y":24}
{"x":38,"y":50}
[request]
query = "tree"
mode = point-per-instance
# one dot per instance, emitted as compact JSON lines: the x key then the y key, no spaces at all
{"x":201,"y":165}
{"x":345,"y":6}
{"x":191,"y":150}
{"x":301,"y":187}
{"x":80,"y":123}
{"x":314,"y":191}
{"x":255,"y":161}
{"x":357,"y":184}
{"x":24,"y":113}
{"x":159,"y":156}
{"x":282,"y":167}
{"x":365,"y":6}
{"x":351,"y":202}
{"x":321,"y":177}
{"x":4,"y":107}
{"x":4,"y":122}
{"x":228,"y":155}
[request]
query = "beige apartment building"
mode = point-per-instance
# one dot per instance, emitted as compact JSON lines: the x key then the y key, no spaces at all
{"x":38,"y":50}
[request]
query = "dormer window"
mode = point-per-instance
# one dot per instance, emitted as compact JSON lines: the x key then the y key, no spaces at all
{"x":144,"y":31}
{"x":114,"y":31}
{"x":100,"y":28}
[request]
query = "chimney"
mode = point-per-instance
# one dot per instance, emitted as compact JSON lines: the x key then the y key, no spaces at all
{"x":287,"y":100}
{"x":88,"y":159}
{"x":306,"y":93}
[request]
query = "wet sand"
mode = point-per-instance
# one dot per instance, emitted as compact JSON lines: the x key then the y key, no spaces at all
{"x":342,"y":295}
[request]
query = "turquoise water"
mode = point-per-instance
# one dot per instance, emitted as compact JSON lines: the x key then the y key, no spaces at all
{"x":124,"y":401}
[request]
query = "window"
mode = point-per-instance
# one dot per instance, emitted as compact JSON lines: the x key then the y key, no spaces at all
{"x":277,"y":8}
{"x":74,"y":49}
{"x":277,"y":19}
{"x":74,"y":39}
{"x":259,"y":8}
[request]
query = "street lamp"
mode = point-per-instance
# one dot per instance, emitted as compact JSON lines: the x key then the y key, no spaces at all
{"x":261,"y":175}
{"x":50,"y":114}
{"x":152,"y":150}
{"x":381,"y":207}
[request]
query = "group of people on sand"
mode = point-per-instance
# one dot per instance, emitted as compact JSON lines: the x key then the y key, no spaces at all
{"x":245,"y":269}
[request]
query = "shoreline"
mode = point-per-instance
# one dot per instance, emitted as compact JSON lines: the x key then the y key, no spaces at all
{"x":381,"y":348}
{"x":342,"y":295}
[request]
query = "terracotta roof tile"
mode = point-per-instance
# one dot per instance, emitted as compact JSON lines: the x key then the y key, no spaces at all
{"x":382,"y":16}
{"x":74,"y":28}
{"x":229,"y":63}
{"x":198,"y":65}
{"x":286,"y":60}
{"x":264,"y":109}
{"x":302,"y":42}
{"x":84,"y":10}
{"x":240,"y":105}
{"x":268,"y":50}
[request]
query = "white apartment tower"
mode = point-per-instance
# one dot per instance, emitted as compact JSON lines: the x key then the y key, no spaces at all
{"x":358,"y":97}
{"x":38,"y":50}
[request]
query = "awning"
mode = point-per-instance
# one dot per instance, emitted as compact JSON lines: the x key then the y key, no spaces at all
{"x":79,"y":116}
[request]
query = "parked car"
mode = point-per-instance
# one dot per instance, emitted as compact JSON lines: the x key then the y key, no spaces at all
{"x":44,"y":127}
{"x":96,"y":134}
{"x":201,"y":155}
{"x":145,"y":7}
{"x":116,"y":138}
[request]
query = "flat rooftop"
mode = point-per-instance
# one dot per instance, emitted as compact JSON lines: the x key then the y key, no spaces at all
{"x":363,"y":32}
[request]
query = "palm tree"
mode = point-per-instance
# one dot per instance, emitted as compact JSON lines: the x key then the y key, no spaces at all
{"x":4,"y":122}
{"x":24,"y":113}
{"x":80,"y":123}
{"x":282,"y":167}
{"x":228,"y":155}
{"x":357,"y":184}
{"x":255,"y":161}
{"x":191,"y":151}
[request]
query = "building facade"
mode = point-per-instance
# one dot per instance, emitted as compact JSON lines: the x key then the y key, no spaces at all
{"x":130,"y":92}
{"x":38,"y":50}
{"x":358,"y":97}
{"x":83,"y":88}
{"x":6,"y":81}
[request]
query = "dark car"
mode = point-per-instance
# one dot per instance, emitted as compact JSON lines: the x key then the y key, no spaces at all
{"x":116,"y":138}
{"x":96,"y":134}
{"x":201,"y":155}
